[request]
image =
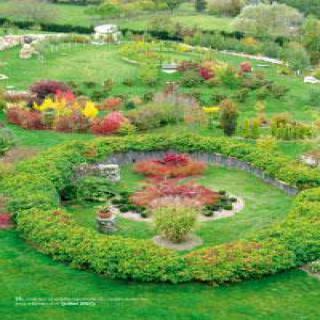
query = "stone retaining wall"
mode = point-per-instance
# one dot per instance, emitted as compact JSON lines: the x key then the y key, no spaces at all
{"x":10,"y":41}
{"x":211,"y":158}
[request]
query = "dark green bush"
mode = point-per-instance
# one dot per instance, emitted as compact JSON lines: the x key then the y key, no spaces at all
{"x":93,"y":188}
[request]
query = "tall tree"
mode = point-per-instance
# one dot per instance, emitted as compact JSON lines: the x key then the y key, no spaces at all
{"x":229,"y":117}
{"x":297,"y":57}
{"x":311,"y":38}
{"x":273,"y":20}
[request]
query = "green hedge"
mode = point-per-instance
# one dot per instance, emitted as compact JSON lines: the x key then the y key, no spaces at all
{"x":33,"y":197}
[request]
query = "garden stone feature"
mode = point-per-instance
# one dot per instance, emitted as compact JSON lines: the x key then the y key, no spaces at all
{"x":107,"y":225}
{"x":27,"y":51}
{"x":311,"y":159}
{"x":169,"y":67}
{"x":213,"y":158}
{"x":110,"y":171}
{"x":312,"y":80}
{"x":106,"y":33}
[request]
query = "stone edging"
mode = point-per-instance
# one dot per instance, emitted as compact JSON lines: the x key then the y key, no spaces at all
{"x":210,"y":158}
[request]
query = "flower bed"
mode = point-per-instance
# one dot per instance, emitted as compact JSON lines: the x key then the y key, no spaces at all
{"x":33,"y":197}
{"x":52,"y":105}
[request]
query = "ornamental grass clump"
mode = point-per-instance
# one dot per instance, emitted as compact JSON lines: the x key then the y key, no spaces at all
{"x":174,"y":223}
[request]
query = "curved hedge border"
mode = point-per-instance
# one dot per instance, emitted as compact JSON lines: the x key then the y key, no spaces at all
{"x":131,"y":157}
{"x":33,"y":196}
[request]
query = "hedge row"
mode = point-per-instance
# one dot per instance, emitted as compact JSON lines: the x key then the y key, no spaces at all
{"x":33,"y":196}
{"x":161,"y":35}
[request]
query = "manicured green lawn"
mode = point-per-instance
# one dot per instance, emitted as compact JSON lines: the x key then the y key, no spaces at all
{"x":77,"y":15}
{"x":69,"y":63}
{"x":94,"y":63}
{"x":264,"y":205}
{"x":26,"y":273}
{"x":63,"y":14}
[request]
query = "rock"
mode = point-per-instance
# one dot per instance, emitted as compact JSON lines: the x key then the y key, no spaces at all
{"x":106,"y":33}
{"x":3,"y":77}
{"x":311,"y":80}
{"x":27,"y":51}
{"x":169,"y":67}
{"x":311,"y":159}
{"x":107,"y":225}
{"x":110,"y":171}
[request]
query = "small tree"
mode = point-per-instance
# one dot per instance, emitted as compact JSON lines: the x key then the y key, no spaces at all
{"x":311,"y":38}
{"x":229,"y":117}
{"x":297,"y":57}
{"x":201,"y":5}
{"x":175,"y":222}
{"x":265,"y":19}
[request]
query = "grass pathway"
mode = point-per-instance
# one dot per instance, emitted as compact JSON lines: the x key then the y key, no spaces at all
{"x":26,"y":273}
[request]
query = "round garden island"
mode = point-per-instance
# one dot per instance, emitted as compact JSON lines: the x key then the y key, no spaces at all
{"x":37,"y":191}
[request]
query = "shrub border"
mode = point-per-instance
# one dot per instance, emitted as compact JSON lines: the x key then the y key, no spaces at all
{"x":33,"y":197}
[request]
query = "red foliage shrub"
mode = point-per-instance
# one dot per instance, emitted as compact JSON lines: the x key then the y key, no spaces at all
{"x":14,"y":115}
{"x":109,"y":124}
{"x":48,"y":87}
{"x":5,"y":220}
{"x":32,"y":120}
{"x":170,"y":188}
{"x":187,"y":65}
{"x":28,"y":119}
{"x":206,"y":73}
{"x":172,"y":165}
{"x":175,"y":159}
{"x":246,"y":67}
{"x":75,"y":122}
{"x":112,"y":104}
{"x":69,"y":96}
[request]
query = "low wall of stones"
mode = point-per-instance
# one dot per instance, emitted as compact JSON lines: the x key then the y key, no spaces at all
{"x":131,"y":157}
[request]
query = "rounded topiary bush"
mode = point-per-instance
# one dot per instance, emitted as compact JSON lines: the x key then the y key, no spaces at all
{"x":33,"y":196}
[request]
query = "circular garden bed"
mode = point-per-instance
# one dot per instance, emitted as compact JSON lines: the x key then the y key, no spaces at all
{"x":34,"y":190}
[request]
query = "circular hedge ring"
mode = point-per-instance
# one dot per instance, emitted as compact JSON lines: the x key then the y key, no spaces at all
{"x":33,"y":193}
